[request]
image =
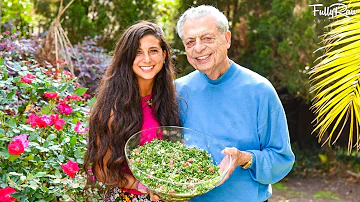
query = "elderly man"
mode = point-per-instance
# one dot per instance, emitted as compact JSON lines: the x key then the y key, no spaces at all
{"x":235,"y":105}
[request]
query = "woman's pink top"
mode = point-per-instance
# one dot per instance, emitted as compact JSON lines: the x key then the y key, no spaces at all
{"x":148,"y":121}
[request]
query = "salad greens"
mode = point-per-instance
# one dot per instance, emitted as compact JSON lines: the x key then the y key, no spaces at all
{"x":173,"y":168}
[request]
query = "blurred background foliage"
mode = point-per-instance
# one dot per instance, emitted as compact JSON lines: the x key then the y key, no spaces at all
{"x":276,"y":38}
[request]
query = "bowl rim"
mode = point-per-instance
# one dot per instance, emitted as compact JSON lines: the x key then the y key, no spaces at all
{"x":180,"y":183}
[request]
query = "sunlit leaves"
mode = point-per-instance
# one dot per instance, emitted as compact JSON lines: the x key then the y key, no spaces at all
{"x":335,"y":80}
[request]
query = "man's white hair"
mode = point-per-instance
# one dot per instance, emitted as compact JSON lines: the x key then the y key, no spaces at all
{"x":195,"y":13}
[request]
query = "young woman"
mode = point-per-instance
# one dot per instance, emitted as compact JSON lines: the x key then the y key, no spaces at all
{"x":136,"y":93}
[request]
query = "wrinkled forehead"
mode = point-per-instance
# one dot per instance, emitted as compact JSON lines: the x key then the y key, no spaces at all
{"x":199,"y":27}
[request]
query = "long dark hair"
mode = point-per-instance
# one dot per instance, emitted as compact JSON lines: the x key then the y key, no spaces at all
{"x":118,"y":96}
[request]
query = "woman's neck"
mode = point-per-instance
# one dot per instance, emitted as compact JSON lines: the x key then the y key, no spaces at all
{"x":145,"y":88}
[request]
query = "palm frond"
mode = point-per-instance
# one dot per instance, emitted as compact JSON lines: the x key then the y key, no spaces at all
{"x":335,"y":80}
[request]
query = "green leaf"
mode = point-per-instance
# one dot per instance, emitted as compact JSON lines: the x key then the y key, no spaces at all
{"x":56,"y":181}
{"x":323,"y":158}
{"x":57,"y":174}
{"x":30,"y":157}
{"x":37,"y":195}
{"x":50,"y":198}
{"x":51,"y":137}
{"x":25,"y":127}
{"x":55,"y":147}
{"x":73,"y":140}
{"x":46,"y":109}
{"x":91,"y":102}
{"x":33,"y":185}
{"x":80,"y":91}
{"x":17,"y":195}
{"x":13,"y":158}
{"x":11,"y":123}
{"x":11,"y":94}
{"x":40,"y":174}
{"x":63,"y":87}
{"x":16,"y":66}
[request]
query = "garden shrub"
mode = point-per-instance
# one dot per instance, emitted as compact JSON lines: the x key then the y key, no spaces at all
{"x":92,"y":62}
{"x":43,"y":116}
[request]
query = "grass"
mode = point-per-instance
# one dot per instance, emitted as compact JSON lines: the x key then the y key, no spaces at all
{"x":289,"y":193}
{"x":325,"y":195}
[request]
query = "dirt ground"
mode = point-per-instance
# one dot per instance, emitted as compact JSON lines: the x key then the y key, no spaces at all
{"x":317,"y":189}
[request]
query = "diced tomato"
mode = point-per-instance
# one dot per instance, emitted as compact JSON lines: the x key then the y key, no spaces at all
{"x":211,"y":170}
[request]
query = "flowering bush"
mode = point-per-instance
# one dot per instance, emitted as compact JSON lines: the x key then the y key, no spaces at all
{"x":43,"y":129}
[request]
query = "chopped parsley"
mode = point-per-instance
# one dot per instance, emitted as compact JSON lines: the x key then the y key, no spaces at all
{"x":172,"y":169}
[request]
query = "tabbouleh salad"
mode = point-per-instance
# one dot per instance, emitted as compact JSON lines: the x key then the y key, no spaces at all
{"x":181,"y":169}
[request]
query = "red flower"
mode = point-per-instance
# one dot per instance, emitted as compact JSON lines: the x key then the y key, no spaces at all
{"x":73,"y":97}
{"x":27,"y":78}
{"x":70,"y":168}
{"x":16,"y":147}
{"x":51,"y":95}
{"x":40,"y":122}
{"x":5,"y":194}
{"x":33,"y":120}
{"x":64,"y":109}
{"x":58,"y":123}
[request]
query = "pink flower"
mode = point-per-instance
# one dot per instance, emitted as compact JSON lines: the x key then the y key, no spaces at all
{"x":45,"y":121}
{"x":91,"y":177}
{"x":27,"y":78}
{"x":5,"y":194}
{"x":64,"y":109}
{"x":80,"y":129}
{"x":70,"y":168}
{"x":23,"y":139}
{"x":51,"y":95}
{"x":16,"y":147}
{"x":58,"y":123}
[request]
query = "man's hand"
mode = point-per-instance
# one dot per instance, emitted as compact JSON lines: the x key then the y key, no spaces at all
{"x":154,"y":197}
{"x":239,"y":158}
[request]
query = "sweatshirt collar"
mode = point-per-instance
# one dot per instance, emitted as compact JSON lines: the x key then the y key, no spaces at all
{"x":223,"y":78}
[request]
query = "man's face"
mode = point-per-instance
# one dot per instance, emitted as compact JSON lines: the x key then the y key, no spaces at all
{"x":206,"y":47}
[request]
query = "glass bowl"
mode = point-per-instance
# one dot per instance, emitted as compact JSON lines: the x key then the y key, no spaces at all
{"x":168,"y":190}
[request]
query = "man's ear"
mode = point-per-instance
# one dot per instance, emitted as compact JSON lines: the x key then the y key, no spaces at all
{"x":228,"y":38}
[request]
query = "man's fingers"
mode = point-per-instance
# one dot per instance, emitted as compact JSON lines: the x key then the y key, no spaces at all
{"x":230,"y":151}
{"x":154,"y":197}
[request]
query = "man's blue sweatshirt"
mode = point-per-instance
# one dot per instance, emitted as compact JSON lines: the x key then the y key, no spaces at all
{"x":241,"y":109}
